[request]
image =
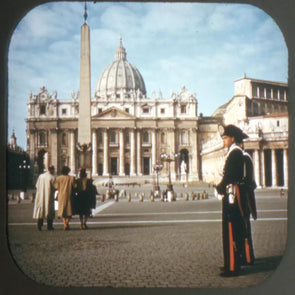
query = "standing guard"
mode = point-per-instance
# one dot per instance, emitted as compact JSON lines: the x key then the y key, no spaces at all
{"x":233,"y":225}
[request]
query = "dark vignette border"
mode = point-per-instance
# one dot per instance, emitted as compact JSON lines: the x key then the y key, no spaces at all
{"x":12,"y":281}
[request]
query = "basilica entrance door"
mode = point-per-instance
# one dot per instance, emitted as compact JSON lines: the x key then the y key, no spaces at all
{"x":146,"y":166}
{"x":114,"y":170}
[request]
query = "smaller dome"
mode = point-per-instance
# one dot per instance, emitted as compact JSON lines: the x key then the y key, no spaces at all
{"x":119,"y":77}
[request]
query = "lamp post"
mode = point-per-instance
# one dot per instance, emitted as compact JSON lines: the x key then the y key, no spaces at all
{"x":157,"y":168}
{"x":24,"y":169}
{"x":169,"y":158}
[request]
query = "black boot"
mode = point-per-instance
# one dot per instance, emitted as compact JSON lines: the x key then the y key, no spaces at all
{"x":40,"y":224}
{"x":49,"y":224}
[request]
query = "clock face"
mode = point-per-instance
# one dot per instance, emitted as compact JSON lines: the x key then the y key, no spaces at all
{"x":220,"y":129}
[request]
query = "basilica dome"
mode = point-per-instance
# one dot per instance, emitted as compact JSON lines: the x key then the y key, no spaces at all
{"x":120,"y":77}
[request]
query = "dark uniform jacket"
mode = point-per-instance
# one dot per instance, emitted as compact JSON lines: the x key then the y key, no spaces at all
{"x":233,"y":170}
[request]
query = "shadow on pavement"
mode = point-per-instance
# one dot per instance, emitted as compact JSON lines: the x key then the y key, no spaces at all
{"x":263,"y":264}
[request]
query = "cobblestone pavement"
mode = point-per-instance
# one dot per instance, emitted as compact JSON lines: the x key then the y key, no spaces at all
{"x":145,"y":244}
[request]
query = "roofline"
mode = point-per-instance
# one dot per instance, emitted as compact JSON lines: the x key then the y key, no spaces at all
{"x":263,"y":81}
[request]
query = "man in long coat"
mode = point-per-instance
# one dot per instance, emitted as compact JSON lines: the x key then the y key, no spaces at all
{"x":64,"y":185}
{"x":44,"y":200}
{"x":233,"y":226}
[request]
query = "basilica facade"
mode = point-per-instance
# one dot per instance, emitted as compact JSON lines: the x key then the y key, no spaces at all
{"x":131,"y":132}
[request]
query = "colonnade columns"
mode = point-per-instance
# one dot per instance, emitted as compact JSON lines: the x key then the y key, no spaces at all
{"x":105,"y":153}
{"x":72,"y":151}
{"x":132,"y":153}
{"x":94,"y":152}
{"x":54,"y":148}
{"x":256,"y":167}
{"x":122,"y":154}
{"x":285,"y":163}
{"x":273,"y":168}
{"x":262,"y":169}
{"x":139,"y":165}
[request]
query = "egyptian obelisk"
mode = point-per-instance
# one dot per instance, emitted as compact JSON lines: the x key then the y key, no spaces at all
{"x":84,"y":121}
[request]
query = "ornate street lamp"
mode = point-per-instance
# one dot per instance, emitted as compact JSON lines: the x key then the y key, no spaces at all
{"x":24,"y":171}
{"x":157,"y":168}
{"x":169,"y":158}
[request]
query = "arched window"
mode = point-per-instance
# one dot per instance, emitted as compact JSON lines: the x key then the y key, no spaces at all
{"x":113,"y":137}
{"x":145,"y":137}
{"x":42,"y":138}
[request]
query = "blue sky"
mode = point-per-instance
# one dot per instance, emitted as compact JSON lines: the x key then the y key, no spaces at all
{"x":204,"y":47}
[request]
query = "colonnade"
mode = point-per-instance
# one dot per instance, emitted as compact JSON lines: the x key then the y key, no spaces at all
{"x":270,"y":169}
{"x":136,"y":148}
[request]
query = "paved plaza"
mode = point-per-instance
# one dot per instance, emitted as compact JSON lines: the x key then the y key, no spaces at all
{"x":145,"y":244}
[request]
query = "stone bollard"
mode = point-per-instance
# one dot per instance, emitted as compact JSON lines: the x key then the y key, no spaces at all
{"x":32,"y":197}
{"x":162,"y":196}
{"x":108,"y":195}
{"x":129,"y":197}
{"x":116,"y":198}
{"x":136,"y":195}
{"x":152,"y":197}
{"x":186,"y":196}
{"x":141,"y":197}
{"x":102,"y":197}
{"x":198,"y":196}
{"x":18,"y":199}
{"x":192,"y":196}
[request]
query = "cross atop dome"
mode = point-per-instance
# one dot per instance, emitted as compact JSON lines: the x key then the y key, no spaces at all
{"x":85,"y":12}
{"x":120,"y":52}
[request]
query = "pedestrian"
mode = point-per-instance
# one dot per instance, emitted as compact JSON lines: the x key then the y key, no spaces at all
{"x":44,"y":200}
{"x":65,"y":184}
{"x":247,"y":249}
{"x":233,"y":226}
{"x":85,"y":193}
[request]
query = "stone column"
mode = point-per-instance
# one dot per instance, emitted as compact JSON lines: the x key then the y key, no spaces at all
{"x":72,"y":151}
{"x":122,"y":153}
{"x":262,"y":168}
{"x":132,"y":153}
{"x":274,"y":182}
{"x":53,"y":154}
{"x":256,"y":167}
{"x":285,"y":161}
{"x":172,"y":150}
{"x":94,"y":152}
{"x":154,"y":148}
{"x":105,"y":153}
{"x":139,"y":166}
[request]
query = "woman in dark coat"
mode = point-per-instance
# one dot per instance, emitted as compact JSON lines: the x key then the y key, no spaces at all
{"x":84,"y":198}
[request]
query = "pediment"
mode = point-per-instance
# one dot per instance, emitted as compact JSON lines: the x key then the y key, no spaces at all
{"x":113,"y":113}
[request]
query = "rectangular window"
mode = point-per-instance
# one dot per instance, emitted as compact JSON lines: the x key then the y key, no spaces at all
{"x":127,"y":110}
{"x":268,"y":93}
{"x":145,"y":110}
{"x":183,"y":109}
{"x":43,"y":109}
{"x":261,"y":92}
{"x":100,"y":110}
{"x":275,"y":94}
{"x":63,"y":111}
{"x":162,"y":111}
{"x":255,"y":91}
